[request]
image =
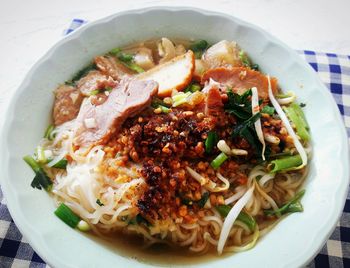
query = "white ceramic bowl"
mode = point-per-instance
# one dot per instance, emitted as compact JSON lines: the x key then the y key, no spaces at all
{"x":292,"y":243}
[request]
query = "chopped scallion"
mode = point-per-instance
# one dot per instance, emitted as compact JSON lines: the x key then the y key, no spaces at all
{"x":67,"y":215}
{"x":211,"y":141}
{"x":41,"y":180}
{"x":285,"y":163}
{"x":219,"y":160}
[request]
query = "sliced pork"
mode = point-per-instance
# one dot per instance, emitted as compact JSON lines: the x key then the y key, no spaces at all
{"x":97,"y":122}
{"x":67,"y":103}
{"x":94,"y":80}
{"x":240,"y":79}
{"x":108,"y":65}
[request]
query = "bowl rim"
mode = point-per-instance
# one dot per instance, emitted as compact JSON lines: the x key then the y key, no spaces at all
{"x":21,"y":221}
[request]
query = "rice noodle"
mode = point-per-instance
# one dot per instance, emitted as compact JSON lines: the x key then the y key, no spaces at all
{"x":287,"y":125}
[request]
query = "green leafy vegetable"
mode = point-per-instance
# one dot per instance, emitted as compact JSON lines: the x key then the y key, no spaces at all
{"x":211,"y":141}
{"x":67,"y":215}
{"x":293,"y":205}
{"x":199,"y":47}
{"x":201,"y":202}
{"x":242,"y":216}
{"x":62,"y":164}
{"x":239,"y":105}
{"x":268,"y":110}
{"x":247,"y":131}
{"x":219,"y":160}
{"x":41,"y":180}
{"x":284,"y":164}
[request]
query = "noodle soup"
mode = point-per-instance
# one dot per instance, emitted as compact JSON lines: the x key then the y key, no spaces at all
{"x":175,"y":142}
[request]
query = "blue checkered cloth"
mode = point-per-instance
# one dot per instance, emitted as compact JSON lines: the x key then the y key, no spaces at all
{"x":334,"y":71}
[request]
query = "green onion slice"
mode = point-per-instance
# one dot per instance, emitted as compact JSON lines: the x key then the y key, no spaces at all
{"x":67,"y":215}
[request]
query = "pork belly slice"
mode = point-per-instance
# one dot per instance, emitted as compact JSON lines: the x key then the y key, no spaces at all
{"x":95,"y":123}
{"x":241,"y":79}
{"x":174,"y":74}
{"x":66,"y":105}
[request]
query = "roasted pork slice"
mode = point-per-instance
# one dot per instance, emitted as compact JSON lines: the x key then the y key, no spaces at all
{"x":241,"y":79}
{"x":174,"y":74}
{"x":67,"y":103}
{"x":108,"y":65}
{"x":94,"y":80}
{"x":95,"y":123}
{"x":213,"y":102}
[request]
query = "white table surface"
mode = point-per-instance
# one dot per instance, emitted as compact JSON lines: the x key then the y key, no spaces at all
{"x":29,"y":28}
